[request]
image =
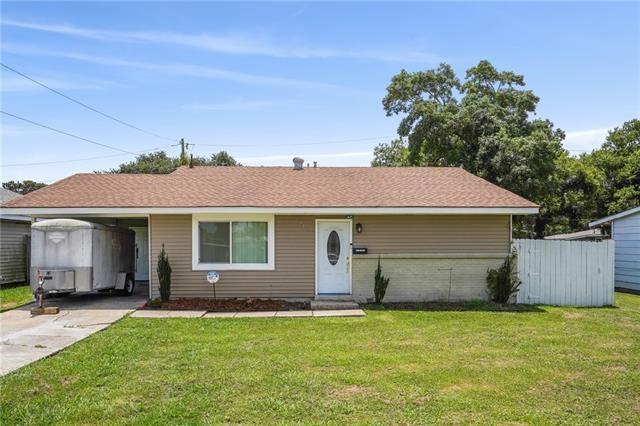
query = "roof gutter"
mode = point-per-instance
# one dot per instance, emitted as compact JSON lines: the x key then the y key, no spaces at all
{"x":613,"y":217}
{"x":143,"y":211}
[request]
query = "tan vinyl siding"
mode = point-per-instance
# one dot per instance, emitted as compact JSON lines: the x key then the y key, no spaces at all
{"x":433,"y":234}
{"x":293,"y":276}
{"x":13,"y":253}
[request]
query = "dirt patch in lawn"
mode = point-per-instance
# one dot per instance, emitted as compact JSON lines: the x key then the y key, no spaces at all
{"x":466,"y":387}
{"x":573,"y":315}
{"x":355,"y":391}
{"x":228,"y":305}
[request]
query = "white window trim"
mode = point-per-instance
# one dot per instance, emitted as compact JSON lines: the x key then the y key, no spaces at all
{"x":213,"y":217}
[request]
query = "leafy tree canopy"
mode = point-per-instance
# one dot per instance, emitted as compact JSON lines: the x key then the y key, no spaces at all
{"x":222,"y":158}
{"x":23,"y":187}
{"x":481,"y":123}
{"x":393,"y":154}
{"x":160,"y":163}
{"x":486,"y":123}
{"x":619,"y":162}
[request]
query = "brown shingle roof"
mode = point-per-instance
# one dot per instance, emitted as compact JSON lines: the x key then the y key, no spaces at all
{"x":277,"y":187}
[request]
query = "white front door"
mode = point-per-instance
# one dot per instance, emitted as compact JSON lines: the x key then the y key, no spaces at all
{"x":333,"y":256}
{"x":142,"y":253}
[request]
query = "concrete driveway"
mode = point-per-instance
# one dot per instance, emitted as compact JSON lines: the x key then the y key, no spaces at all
{"x":25,"y":338}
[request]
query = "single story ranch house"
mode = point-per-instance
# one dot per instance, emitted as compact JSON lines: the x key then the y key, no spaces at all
{"x":301,"y":232}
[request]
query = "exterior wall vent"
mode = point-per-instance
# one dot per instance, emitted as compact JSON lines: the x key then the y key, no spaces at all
{"x":298,"y":163}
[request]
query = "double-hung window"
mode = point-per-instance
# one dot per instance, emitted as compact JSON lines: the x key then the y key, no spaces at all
{"x":243,"y":242}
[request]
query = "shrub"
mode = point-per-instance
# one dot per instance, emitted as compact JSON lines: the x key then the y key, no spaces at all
{"x":164,"y":275}
{"x":380,"y":284}
{"x":503,"y":282}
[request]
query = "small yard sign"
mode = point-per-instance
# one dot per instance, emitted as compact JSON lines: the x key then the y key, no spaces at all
{"x":213,"y":277}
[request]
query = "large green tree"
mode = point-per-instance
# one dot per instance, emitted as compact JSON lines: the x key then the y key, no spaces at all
{"x":156,"y":162}
{"x":482,"y":122}
{"x":222,"y":158}
{"x":597,"y":184}
{"x":573,"y":201}
{"x":392,"y":154}
{"x":161,"y":163}
{"x":23,"y":187}
{"x":619,"y":161}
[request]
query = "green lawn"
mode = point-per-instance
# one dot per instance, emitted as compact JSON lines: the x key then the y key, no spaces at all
{"x":550,"y":365}
{"x":14,"y":296}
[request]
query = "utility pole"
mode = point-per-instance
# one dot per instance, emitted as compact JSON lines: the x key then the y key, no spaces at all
{"x":184,"y":160}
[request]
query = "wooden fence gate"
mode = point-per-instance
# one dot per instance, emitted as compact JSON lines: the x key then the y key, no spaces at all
{"x":569,"y":273}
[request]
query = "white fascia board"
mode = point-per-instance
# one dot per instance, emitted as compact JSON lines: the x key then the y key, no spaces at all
{"x":144,"y":211}
{"x":16,"y":218}
{"x":613,"y":217}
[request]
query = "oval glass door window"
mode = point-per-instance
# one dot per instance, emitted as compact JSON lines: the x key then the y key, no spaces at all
{"x":333,"y":247}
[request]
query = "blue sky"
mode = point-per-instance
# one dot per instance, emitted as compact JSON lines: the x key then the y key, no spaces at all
{"x":269,"y":81}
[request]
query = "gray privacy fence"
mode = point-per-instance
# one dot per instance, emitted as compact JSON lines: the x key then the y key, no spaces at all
{"x":566,"y":273}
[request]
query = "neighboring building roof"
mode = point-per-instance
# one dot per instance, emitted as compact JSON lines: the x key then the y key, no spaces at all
{"x":6,"y":195}
{"x":281,"y":187}
{"x":613,"y":217}
{"x":589,"y":234}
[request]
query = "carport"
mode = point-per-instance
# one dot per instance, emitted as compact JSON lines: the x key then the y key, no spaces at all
{"x":25,"y":338}
{"x":138,"y":224}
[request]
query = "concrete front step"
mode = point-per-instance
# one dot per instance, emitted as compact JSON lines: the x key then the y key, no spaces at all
{"x":333,"y":305}
{"x":334,"y":297}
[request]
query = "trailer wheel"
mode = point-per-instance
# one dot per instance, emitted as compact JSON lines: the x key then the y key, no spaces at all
{"x":128,"y":287}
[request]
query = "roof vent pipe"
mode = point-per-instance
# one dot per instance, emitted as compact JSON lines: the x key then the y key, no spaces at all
{"x":298,"y":163}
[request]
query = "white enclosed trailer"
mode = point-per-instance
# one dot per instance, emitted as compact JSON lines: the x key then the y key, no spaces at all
{"x":77,"y":256}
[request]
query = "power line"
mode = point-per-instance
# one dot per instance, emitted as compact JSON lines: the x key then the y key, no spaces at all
{"x":82,"y":159}
{"x":67,"y":133}
{"x":292,"y":144}
{"x":124,"y":123}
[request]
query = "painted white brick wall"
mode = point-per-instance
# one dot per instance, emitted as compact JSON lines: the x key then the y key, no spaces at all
{"x":415,"y":279}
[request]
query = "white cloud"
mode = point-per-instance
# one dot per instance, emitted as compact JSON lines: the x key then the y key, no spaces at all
{"x":12,"y":83}
{"x":237,"y":44}
{"x":179,"y":69}
{"x":240,"y":105}
{"x":362,"y":158}
{"x":11,"y":130}
{"x":585,"y":140}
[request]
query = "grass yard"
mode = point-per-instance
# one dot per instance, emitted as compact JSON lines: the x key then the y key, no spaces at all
{"x":548,"y":365}
{"x":14,"y":296}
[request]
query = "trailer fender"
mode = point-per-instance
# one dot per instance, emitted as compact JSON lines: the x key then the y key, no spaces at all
{"x":120,"y":279}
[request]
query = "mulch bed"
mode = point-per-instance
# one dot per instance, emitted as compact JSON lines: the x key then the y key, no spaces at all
{"x":228,"y":305}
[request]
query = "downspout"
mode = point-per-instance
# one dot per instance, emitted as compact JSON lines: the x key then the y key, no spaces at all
{"x":149,"y":254}
{"x":510,"y":232}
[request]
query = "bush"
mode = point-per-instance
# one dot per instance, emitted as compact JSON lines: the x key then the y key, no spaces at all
{"x":503,"y":282}
{"x":380,"y":284}
{"x":164,"y":275}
